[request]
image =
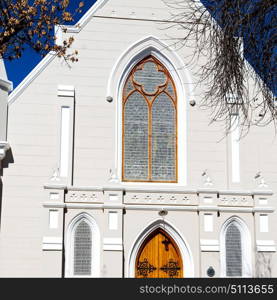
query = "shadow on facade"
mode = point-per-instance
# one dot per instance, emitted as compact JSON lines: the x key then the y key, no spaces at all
{"x":4,"y":164}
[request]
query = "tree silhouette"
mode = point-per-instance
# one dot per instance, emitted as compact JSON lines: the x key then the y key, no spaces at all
{"x":239,"y":40}
{"x":33,"y":23}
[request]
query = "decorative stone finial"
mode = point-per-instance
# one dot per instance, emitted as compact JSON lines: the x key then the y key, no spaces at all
{"x":56,"y":174}
{"x":207,"y":179}
{"x":113,"y":177}
{"x":262,"y":183}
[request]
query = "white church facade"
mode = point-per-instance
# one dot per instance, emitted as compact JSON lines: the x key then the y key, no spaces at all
{"x":109,"y":167}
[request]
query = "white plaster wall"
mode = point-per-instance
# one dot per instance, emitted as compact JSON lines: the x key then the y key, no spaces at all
{"x":32,"y":133}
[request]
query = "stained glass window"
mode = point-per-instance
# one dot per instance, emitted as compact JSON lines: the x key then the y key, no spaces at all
{"x":136,"y":137}
{"x":149,"y":124}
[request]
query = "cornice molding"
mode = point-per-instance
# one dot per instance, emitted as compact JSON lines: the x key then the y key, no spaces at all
{"x":158,"y":189}
{"x":147,"y":207}
{"x":86,"y":18}
{"x":66,"y":91}
{"x":6,"y":85}
{"x":4,"y":147}
{"x":52,"y":243}
{"x":266,"y":246}
{"x":209,"y":245}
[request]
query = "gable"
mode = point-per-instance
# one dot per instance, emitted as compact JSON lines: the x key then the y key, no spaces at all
{"x":154,"y":10}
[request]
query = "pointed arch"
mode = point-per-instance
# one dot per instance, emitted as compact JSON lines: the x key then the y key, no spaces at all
{"x":186,"y":255}
{"x":159,"y":257}
{"x":235,"y":249}
{"x":82,"y":249}
{"x":147,"y":46}
{"x":149,"y":118}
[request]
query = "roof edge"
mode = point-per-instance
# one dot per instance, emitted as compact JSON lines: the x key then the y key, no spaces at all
{"x":6,"y":85}
{"x":30,"y":77}
{"x":86,"y":17}
{"x":50,"y":56}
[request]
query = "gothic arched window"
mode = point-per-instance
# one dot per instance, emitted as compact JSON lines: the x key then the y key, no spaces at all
{"x":149,"y":124}
{"x":233,"y":248}
{"x":82,"y":249}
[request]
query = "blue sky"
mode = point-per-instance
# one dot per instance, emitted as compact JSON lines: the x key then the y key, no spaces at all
{"x":18,"y":69}
{"x":265,"y":31}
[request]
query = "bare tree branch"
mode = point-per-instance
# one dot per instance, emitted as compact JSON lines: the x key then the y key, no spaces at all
{"x":224,"y":32}
{"x":33,"y":23}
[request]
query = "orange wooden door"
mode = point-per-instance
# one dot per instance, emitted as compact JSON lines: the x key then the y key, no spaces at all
{"x":159,"y":257}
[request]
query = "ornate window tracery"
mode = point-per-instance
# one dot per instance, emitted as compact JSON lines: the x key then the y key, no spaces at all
{"x":149,"y":124}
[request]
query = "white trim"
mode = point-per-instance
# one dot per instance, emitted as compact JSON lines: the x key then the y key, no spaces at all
{"x":160,"y":207}
{"x":208,"y":199}
{"x":157,"y":189}
{"x":112,"y":244}
{"x":69,"y":246}
{"x":208,"y":222}
{"x":263,"y":192}
{"x":209,"y":248}
{"x":264,"y":224}
{"x":264,"y":209}
{"x":6,"y":85}
{"x":51,"y":55}
{"x":52,"y":243}
{"x":54,"y":196}
{"x":245,"y":244}
{"x":66,"y":91}
{"x":266,"y":246}
{"x":86,"y":18}
{"x":187,"y":258}
{"x":235,"y":149}
{"x":265,"y":242}
{"x":4,"y":147}
{"x":30,"y":77}
{"x":53,"y":220}
{"x":263,"y":201}
{"x":113,"y":220}
{"x":65,"y":140}
{"x":53,"y":205}
{"x":113,"y":197}
{"x":58,"y":35}
{"x":155,"y":207}
{"x":151,"y":45}
{"x":209,"y":245}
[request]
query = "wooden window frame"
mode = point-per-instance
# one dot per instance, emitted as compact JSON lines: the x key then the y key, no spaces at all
{"x":161,"y":89}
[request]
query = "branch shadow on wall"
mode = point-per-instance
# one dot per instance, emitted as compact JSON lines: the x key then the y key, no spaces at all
{"x":3,"y":165}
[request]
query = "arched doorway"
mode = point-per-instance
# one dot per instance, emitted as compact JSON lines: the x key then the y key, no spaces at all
{"x":159,"y":257}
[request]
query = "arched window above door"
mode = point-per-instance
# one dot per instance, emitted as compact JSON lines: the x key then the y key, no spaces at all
{"x":149,"y":139}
